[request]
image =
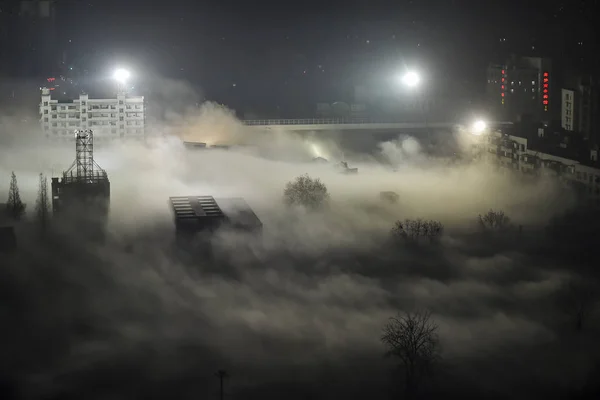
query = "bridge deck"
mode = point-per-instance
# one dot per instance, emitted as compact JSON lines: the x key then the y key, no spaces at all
{"x":348,"y":124}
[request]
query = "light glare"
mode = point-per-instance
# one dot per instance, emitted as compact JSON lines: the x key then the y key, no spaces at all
{"x":121,"y":75}
{"x":411,"y":79}
{"x":479,"y":127}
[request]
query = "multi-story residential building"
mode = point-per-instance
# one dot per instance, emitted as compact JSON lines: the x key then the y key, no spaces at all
{"x":521,"y":86}
{"x":515,"y":153}
{"x":580,"y":108}
{"x":120,"y":118}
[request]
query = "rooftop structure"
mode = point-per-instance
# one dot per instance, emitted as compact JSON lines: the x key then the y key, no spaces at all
{"x":120,"y":118}
{"x":84,"y":189}
{"x":193,"y":214}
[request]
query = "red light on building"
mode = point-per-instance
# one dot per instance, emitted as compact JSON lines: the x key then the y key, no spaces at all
{"x":545,"y":102}
{"x":503,"y":72}
{"x":502,"y":87}
{"x":545,"y":85}
{"x":502,"y":94}
{"x":545,"y":96}
{"x":51,"y":79}
{"x":52,"y":88}
{"x":546,"y":74}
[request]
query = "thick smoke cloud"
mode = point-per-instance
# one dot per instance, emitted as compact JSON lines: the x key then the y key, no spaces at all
{"x":299,"y":313}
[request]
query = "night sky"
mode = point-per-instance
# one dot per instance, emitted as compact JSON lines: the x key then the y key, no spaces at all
{"x":258,"y":51}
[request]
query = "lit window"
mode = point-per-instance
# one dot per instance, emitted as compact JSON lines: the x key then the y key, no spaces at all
{"x":533,"y":82}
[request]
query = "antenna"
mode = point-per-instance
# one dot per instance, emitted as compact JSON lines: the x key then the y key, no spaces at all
{"x":84,"y":166}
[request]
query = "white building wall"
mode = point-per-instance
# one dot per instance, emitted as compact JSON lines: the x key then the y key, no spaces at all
{"x":120,"y":118}
{"x":567,"y":115}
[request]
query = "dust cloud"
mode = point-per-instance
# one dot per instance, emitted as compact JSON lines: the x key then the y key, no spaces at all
{"x":300,"y":312}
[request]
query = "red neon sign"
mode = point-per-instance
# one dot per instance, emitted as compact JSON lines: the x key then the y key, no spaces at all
{"x":51,"y":79}
{"x":545,"y":74}
{"x":545,"y":102}
{"x":503,"y":72}
{"x":502,"y":94}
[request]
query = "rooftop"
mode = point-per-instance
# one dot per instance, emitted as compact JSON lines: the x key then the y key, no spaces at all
{"x":204,"y":212}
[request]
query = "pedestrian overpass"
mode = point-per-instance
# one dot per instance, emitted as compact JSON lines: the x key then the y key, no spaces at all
{"x":337,"y":124}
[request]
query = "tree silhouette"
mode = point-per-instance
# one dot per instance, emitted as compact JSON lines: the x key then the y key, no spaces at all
{"x":412,"y":339}
{"x":306,"y":191}
{"x":42,"y":206}
{"x":494,"y":220}
{"x":15,"y":208}
{"x":413,"y":229}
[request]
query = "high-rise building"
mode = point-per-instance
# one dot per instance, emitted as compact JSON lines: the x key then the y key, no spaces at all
{"x":521,"y":86}
{"x":580,"y":107}
{"x":120,"y":118}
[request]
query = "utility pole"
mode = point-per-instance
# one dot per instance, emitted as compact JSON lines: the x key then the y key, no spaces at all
{"x":221,"y":374}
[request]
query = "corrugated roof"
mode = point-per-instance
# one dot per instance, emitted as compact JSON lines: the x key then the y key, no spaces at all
{"x":200,"y":212}
{"x":195,"y":207}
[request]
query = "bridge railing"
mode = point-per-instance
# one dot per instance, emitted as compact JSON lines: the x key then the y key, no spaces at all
{"x":312,"y":121}
{"x":341,"y":121}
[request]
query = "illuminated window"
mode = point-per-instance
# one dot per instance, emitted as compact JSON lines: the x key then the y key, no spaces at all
{"x":533,"y":82}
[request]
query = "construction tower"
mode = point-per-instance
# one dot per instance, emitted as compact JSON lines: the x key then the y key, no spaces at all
{"x":83,"y":192}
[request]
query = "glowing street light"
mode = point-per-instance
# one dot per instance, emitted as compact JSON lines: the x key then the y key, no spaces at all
{"x":411,"y":79}
{"x":121,"y":75}
{"x":479,"y":127}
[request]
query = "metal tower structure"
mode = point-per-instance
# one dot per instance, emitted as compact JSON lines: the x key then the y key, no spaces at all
{"x":84,"y":166}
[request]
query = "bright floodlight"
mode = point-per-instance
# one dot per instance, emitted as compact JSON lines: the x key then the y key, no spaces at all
{"x":479,"y":127}
{"x":411,"y":79}
{"x":121,"y":75}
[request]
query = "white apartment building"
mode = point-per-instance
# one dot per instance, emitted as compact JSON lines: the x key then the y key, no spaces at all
{"x":111,"y":119}
{"x":513,"y":153}
{"x":568,"y":118}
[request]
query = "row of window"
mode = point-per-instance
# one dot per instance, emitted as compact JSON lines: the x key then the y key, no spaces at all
{"x":54,"y":107}
{"x":114,"y":131}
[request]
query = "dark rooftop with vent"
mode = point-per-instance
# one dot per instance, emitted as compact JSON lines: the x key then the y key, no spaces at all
{"x":205,"y":213}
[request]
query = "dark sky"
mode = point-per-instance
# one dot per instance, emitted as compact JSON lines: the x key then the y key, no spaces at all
{"x":315,"y":49}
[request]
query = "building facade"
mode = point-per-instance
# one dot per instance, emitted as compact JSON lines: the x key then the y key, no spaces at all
{"x":513,"y":153}
{"x":580,"y":108}
{"x":122,"y":117}
{"x":568,"y":117}
{"x":521,"y":86}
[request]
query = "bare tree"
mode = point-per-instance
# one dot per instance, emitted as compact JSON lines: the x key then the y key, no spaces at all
{"x":307,"y":192}
{"x":15,"y":208}
{"x":413,"y":229}
{"x":432,"y":230}
{"x":42,"y":206}
{"x":494,"y":220}
{"x":412,"y":338}
{"x":579,"y":299}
